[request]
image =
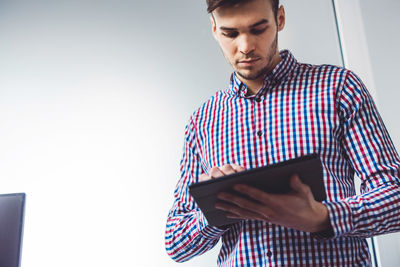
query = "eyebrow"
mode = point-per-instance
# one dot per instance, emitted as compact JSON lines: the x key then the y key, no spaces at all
{"x":263,"y":21}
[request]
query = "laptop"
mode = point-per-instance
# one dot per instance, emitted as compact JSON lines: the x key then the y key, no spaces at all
{"x":12,"y":208}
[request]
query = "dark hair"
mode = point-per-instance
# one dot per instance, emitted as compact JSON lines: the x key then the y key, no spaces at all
{"x":214,"y":4}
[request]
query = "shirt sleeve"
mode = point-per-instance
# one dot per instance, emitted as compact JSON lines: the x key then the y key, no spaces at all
{"x":373,"y":158}
{"x":187,"y":232}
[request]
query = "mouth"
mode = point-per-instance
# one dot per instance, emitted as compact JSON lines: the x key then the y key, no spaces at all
{"x":248,"y":62}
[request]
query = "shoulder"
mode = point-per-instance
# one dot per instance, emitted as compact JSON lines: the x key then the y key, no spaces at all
{"x":203,"y":115}
{"x":322,"y":71}
{"x":334,"y":77}
{"x":208,"y":107}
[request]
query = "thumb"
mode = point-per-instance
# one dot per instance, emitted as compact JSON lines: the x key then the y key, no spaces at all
{"x":297,"y":185}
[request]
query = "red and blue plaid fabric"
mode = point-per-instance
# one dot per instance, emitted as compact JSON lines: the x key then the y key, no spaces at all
{"x":301,"y":109}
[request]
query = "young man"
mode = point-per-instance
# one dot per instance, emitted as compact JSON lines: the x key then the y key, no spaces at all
{"x":277,"y":109}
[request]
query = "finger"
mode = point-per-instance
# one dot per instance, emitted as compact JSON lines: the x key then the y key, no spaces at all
{"x":204,"y":177}
{"x":236,"y":212}
{"x":297,"y":185}
{"x":216,"y":172}
{"x":254,"y":193}
{"x":245,"y":204}
{"x":237,"y":168}
{"x":246,"y":215}
{"x":231,"y":215}
{"x":227,"y":169}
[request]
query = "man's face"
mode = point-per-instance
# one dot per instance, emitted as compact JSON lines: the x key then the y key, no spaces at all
{"x":247,"y":34}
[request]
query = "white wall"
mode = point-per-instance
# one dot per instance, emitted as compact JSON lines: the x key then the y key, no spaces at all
{"x":94,"y":96}
{"x":382,"y":23}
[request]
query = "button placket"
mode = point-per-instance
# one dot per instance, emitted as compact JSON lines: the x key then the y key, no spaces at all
{"x":258,"y":106}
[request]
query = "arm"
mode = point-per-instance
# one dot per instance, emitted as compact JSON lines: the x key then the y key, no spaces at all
{"x":297,"y":209}
{"x":187,"y":232}
{"x":374,"y":159}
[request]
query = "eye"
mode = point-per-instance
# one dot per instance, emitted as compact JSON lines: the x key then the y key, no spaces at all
{"x":258,"y":31}
{"x":230,"y":34}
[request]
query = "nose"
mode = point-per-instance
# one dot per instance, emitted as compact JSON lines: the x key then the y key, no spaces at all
{"x":246,"y":44}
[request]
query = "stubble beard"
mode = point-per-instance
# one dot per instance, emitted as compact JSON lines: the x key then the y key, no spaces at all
{"x":267,"y":67}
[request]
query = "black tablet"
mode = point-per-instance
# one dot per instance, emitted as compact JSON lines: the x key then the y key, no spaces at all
{"x":271,"y":179}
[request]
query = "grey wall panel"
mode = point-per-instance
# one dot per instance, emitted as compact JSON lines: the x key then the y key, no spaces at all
{"x":381,"y":22}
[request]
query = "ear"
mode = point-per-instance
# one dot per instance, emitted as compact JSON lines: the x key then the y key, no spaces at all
{"x":213,"y":26}
{"x":281,"y":18}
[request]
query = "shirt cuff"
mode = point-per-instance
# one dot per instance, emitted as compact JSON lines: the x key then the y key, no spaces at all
{"x":340,"y":221}
{"x":208,"y":231}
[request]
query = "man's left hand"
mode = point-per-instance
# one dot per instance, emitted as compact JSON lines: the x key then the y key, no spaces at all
{"x":297,"y":209}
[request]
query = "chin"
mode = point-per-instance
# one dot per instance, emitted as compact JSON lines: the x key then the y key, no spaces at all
{"x":250,"y":75}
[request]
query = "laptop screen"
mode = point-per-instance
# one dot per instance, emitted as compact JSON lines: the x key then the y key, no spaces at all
{"x":11,"y":226}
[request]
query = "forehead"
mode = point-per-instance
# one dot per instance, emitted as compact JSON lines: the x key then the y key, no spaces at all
{"x":244,"y":14}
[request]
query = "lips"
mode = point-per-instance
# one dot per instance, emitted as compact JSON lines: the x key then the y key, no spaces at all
{"x":249,"y":62}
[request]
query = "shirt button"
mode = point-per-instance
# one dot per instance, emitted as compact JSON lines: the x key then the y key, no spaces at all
{"x":259,"y":133}
{"x":258,"y":100}
{"x":269,"y":253}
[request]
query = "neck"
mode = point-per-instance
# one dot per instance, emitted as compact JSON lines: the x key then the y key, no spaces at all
{"x":253,"y":86}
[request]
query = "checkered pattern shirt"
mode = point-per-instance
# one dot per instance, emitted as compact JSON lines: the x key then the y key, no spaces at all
{"x":301,"y":109}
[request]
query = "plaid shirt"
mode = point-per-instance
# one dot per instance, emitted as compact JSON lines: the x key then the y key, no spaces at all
{"x":301,"y":109}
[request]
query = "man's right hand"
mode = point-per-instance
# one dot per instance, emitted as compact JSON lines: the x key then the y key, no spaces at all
{"x":216,"y":172}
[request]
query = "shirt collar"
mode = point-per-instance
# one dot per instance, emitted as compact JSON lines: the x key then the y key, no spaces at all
{"x":276,"y":76}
